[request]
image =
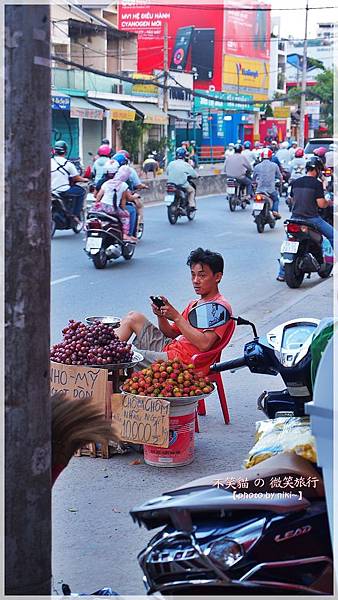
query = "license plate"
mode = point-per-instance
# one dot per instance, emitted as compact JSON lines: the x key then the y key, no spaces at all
{"x":93,"y":243}
{"x":258,"y":206}
{"x":231,"y":191}
{"x":169,"y":199}
{"x":289,"y":247}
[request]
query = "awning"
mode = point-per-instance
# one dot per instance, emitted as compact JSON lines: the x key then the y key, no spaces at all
{"x":60,"y":101}
{"x":81,"y":108}
{"x":181,"y":115}
{"x":118,"y":112}
{"x":151,"y":113}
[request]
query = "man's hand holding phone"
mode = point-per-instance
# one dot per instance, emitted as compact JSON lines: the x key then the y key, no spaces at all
{"x":157,"y":304}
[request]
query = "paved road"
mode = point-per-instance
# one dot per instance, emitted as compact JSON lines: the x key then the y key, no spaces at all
{"x":97,"y":545}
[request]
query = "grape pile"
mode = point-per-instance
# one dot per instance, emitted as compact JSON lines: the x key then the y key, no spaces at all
{"x":94,"y":344}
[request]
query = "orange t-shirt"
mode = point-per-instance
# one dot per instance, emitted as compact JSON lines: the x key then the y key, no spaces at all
{"x":181,"y":348}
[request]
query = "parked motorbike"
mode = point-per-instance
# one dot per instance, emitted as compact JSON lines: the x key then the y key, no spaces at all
{"x":176,"y":200}
{"x":62,"y":217}
{"x":104,"y":239}
{"x":262,"y":211}
{"x":216,"y":543}
{"x":236,"y":194}
{"x":302,"y":253}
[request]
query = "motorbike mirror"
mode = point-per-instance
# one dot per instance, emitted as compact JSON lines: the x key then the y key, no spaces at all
{"x":241,"y":321}
{"x":90,"y":154}
{"x":207,"y":315}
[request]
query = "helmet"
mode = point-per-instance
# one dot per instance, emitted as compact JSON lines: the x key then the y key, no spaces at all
{"x":294,"y":143}
{"x":112,"y":167}
{"x":238,"y":148}
{"x":193,"y":142}
{"x":181,"y":153}
{"x":257,"y":144}
{"x":299,"y":153}
{"x":104,"y":150}
{"x":247,"y":145}
{"x":125,"y":153}
{"x":314,"y":163}
{"x":266,"y":153}
{"x":333,"y":147}
{"x":274,"y":143}
{"x":120,"y":158}
{"x":284,"y":145}
{"x":231,"y":145}
{"x":105,"y":142}
{"x":60,"y":147}
{"x":321,"y":151}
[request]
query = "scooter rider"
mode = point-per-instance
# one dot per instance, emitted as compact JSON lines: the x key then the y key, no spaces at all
{"x":249,"y":153}
{"x":266,"y":173}
{"x":178,"y":172}
{"x":308,"y":197}
{"x":64,"y":177}
{"x":238,"y":166}
{"x":297,"y":165}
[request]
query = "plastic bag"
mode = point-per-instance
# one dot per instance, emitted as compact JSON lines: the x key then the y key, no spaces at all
{"x":274,"y":436}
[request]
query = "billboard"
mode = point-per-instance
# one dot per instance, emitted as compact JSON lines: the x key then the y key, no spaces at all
{"x":195,"y":37}
{"x":245,"y":75}
{"x":247,"y":30}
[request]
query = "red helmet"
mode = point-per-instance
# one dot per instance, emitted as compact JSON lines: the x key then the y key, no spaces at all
{"x":104,"y":150}
{"x":299,"y":153}
{"x":124,"y":152}
{"x":321,"y":151}
{"x":267,"y":153}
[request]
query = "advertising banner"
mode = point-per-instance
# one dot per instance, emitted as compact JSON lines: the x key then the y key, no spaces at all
{"x":281,"y":112}
{"x":246,"y":75}
{"x":247,"y":30}
{"x":223,"y":102}
{"x":195,"y":37}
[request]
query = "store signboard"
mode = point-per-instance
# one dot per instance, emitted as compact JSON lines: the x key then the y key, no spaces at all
{"x":246,"y":75}
{"x":223,"y":101}
{"x":247,"y":28}
{"x":60,"y":102}
{"x":281,"y":112}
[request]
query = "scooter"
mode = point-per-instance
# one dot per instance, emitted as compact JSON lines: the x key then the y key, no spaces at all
{"x":104,"y":239}
{"x":302,"y":253}
{"x":62,"y":217}
{"x":262,"y":211}
{"x":176,"y":200}
{"x":219,"y":541}
{"x":236,"y":194}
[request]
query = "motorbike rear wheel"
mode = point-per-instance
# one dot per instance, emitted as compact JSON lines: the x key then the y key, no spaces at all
{"x":272,"y":224}
{"x":128,"y":251}
{"x":244,"y":205}
{"x":52,"y":228}
{"x":100,"y":259}
{"x":260,"y":225}
{"x":232,"y":203}
{"x":293,"y":275}
{"x":79,"y":226}
{"x":172,"y":214}
{"x":325,"y":271}
{"x":191,"y":214}
{"x":140,"y":230}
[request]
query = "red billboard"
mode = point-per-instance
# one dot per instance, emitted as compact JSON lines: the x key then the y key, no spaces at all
{"x":247,"y":29}
{"x":195,"y":37}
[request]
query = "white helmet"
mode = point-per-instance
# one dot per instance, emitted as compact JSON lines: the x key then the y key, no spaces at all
{"x":284,"y":145}
{"x":333,"y":147}
{"x":112,"y":167}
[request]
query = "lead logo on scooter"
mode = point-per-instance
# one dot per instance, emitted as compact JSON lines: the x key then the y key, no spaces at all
{"x":288,"y":535}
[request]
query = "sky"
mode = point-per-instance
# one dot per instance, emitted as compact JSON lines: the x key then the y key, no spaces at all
{"x":293,"y":22}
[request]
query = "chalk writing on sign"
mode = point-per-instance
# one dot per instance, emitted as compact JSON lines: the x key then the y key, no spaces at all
{"x":141,"y":419}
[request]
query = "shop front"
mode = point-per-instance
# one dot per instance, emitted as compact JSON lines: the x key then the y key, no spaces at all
{"x":64,"y":127}
{"x":114,"y":113}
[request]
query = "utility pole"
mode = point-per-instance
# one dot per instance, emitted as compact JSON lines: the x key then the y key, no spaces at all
{"x":27,"y":300}
{"x":165,"y":79}
{"x":304,"y":72}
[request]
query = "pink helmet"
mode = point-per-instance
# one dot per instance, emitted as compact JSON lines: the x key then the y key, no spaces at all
{"x":299,"y":153}
{"x":321,"y":151}
{"x":104,"y":150}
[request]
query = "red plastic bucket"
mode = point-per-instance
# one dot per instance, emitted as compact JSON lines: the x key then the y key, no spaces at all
{"x":181,"y":437}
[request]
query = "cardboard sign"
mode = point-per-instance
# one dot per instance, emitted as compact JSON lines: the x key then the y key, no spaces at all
{"x":88,"y":383}
{"x":141,"y":419}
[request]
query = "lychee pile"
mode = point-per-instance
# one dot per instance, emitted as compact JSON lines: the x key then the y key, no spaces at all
{"x":168,"y":379}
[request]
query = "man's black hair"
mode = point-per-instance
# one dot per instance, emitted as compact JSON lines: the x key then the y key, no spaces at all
{"x":214,"y":260}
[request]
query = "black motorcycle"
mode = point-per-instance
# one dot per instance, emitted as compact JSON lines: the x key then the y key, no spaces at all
{"x":104,"y":239}
{"x":302,"y":253}
{"x":236,"y":194}
{"x":62,"y":217}
{"x":176,"y":200}
{"x":262,"y":212}
{"x":217,"y":541}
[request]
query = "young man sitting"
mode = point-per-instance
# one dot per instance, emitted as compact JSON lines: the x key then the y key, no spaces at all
{"x":175,"y":337}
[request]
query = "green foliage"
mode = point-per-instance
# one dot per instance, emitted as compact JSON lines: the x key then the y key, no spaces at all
{"x":155,"y":146}
{"x":131,"y":134}
{"x":268,"y":111}
{"x":323,"y":91}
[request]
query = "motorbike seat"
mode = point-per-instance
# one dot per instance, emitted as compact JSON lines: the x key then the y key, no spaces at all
{"x":300,"y":221}
{"x":104,"y":216}
{"x":279,"y":465}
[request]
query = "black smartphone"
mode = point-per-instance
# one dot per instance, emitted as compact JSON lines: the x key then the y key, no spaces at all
{"x":157,"y":301}
{"x":181,"y":48}
{"x":202,"y":53}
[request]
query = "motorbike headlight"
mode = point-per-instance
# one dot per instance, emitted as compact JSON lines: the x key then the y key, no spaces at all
{"x":226,"y":551}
